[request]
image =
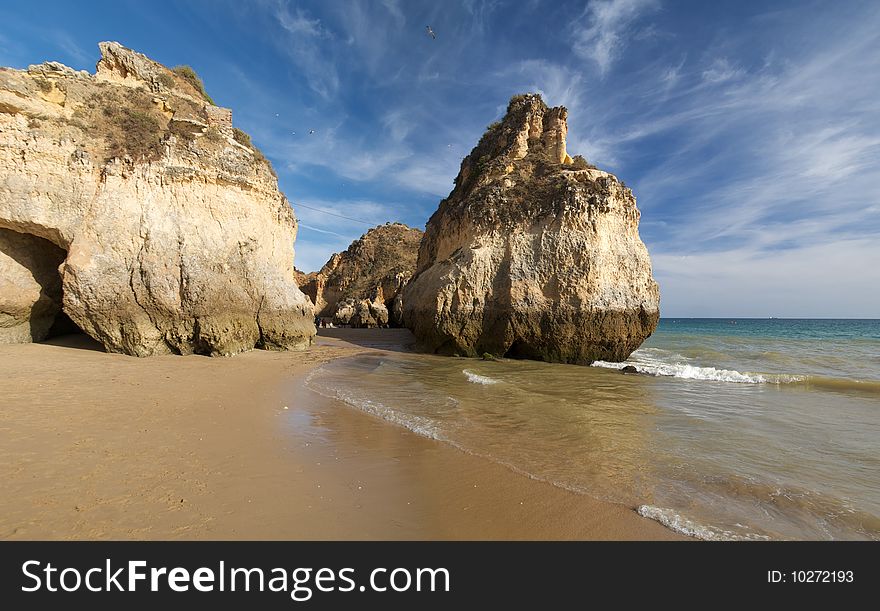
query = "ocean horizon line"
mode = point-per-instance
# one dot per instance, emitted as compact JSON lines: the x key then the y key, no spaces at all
{"x":766,"y":318}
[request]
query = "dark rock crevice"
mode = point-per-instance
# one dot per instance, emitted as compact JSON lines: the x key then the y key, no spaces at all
{"x":31,"y":293}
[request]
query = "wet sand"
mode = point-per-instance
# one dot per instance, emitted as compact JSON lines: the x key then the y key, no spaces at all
{"x":105,"y":446}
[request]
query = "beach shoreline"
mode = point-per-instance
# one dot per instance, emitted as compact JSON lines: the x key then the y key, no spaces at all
{"x":105,"y":446}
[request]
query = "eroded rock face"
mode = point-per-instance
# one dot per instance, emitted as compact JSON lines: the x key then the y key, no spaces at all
{"x":173,"y":235}
{"x":533,"y":254}
{"x":360,"y":287}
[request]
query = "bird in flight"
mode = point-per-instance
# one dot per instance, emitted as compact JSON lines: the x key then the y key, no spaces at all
{"x":311,"y":131}
{"x":430,"y":32}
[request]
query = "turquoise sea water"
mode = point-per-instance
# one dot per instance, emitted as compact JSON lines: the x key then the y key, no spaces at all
{"x":739,"y":428}
{"x":840,"y":353}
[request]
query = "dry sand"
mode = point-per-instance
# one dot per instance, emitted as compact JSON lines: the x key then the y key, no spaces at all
{"x":105,"y":446}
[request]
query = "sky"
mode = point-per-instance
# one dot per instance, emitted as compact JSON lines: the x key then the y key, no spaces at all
{"x":748,"y":131}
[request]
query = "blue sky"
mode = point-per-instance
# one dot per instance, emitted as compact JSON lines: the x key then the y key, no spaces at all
{"x":749,"y":132}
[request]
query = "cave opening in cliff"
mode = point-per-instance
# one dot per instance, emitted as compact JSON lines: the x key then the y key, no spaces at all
{"x":521,"y":350}
{"x":31,"y":300}
{"x":64,"y":325}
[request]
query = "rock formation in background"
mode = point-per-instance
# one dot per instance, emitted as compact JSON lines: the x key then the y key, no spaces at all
{"x":361,"y":286}
{"x":301,"y":276}
{"x":533,"y":254}
{"x":129,"y":201}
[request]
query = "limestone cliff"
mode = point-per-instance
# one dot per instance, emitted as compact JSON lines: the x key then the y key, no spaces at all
{"x":130,"y":201}
{"x":360,"y":287}
{"x":533,"y":254}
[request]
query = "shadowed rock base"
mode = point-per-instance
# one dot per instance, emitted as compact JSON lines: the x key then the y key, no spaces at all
{"x":133,"y":332}
{"x":559,"y":336}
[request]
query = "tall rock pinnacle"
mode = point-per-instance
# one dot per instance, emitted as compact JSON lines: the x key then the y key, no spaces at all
{"x":534,"y":254}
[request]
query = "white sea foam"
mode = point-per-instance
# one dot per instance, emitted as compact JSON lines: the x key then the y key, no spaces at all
{"x":675,"y":365}
{"x":477,"y":378}
{"x":417,"y":424}
{"x":690,"y":372}
{"x":673,"y":521}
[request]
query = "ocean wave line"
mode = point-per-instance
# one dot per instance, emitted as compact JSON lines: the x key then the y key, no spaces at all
{"x":693,"y":372}
{"x":417,"y":424}
{"x":678,"y":523}
{"x":712,"y":374}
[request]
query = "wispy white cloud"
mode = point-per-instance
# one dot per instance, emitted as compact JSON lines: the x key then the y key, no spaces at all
{"x":559,"y":85}
{"x":333,"y":148}
{"x":671,"y":75}
{"x":399,"y":123}
{"x":393,"y":7}
{"x":480,"y":11}
{"x":369,"y":32}
{"x":721,"y":70}
{"x":72,"y":49}
{"x":319,"y":230}
{"x":432,"y":175}
{"x":601,"y":34}
{"x":337,"y":148}
{"x":298,"y":23}
{"x":302,"y":44}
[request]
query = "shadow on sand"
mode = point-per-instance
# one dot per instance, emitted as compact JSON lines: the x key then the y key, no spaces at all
{"x":393,"y":340}
{"x":74,"y":341}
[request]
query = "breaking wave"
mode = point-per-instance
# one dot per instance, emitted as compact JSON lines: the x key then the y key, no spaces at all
{"x":687,"y":371}
{"x":662,"y":363}
{"x":478,"y":379}
{"x":694,"y":372}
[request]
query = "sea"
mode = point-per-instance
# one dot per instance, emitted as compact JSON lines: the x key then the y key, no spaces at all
{"x":733,"y":429}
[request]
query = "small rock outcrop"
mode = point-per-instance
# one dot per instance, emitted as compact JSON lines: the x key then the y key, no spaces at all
{"x":534,"y":254}
{"x":362,"y":313}
{"x":361,"y":286}
{"x":130,"y":203}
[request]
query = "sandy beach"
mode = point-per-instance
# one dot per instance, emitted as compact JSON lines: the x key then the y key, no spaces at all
{"x":105,"y":446}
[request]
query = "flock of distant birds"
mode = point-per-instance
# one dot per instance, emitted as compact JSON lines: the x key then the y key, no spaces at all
{"x":311,"y":131}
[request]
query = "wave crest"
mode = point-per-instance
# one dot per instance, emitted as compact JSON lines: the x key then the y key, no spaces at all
{"x":686,"y":371}
{"x":693,"y":372}
{"x":478,"y":379}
